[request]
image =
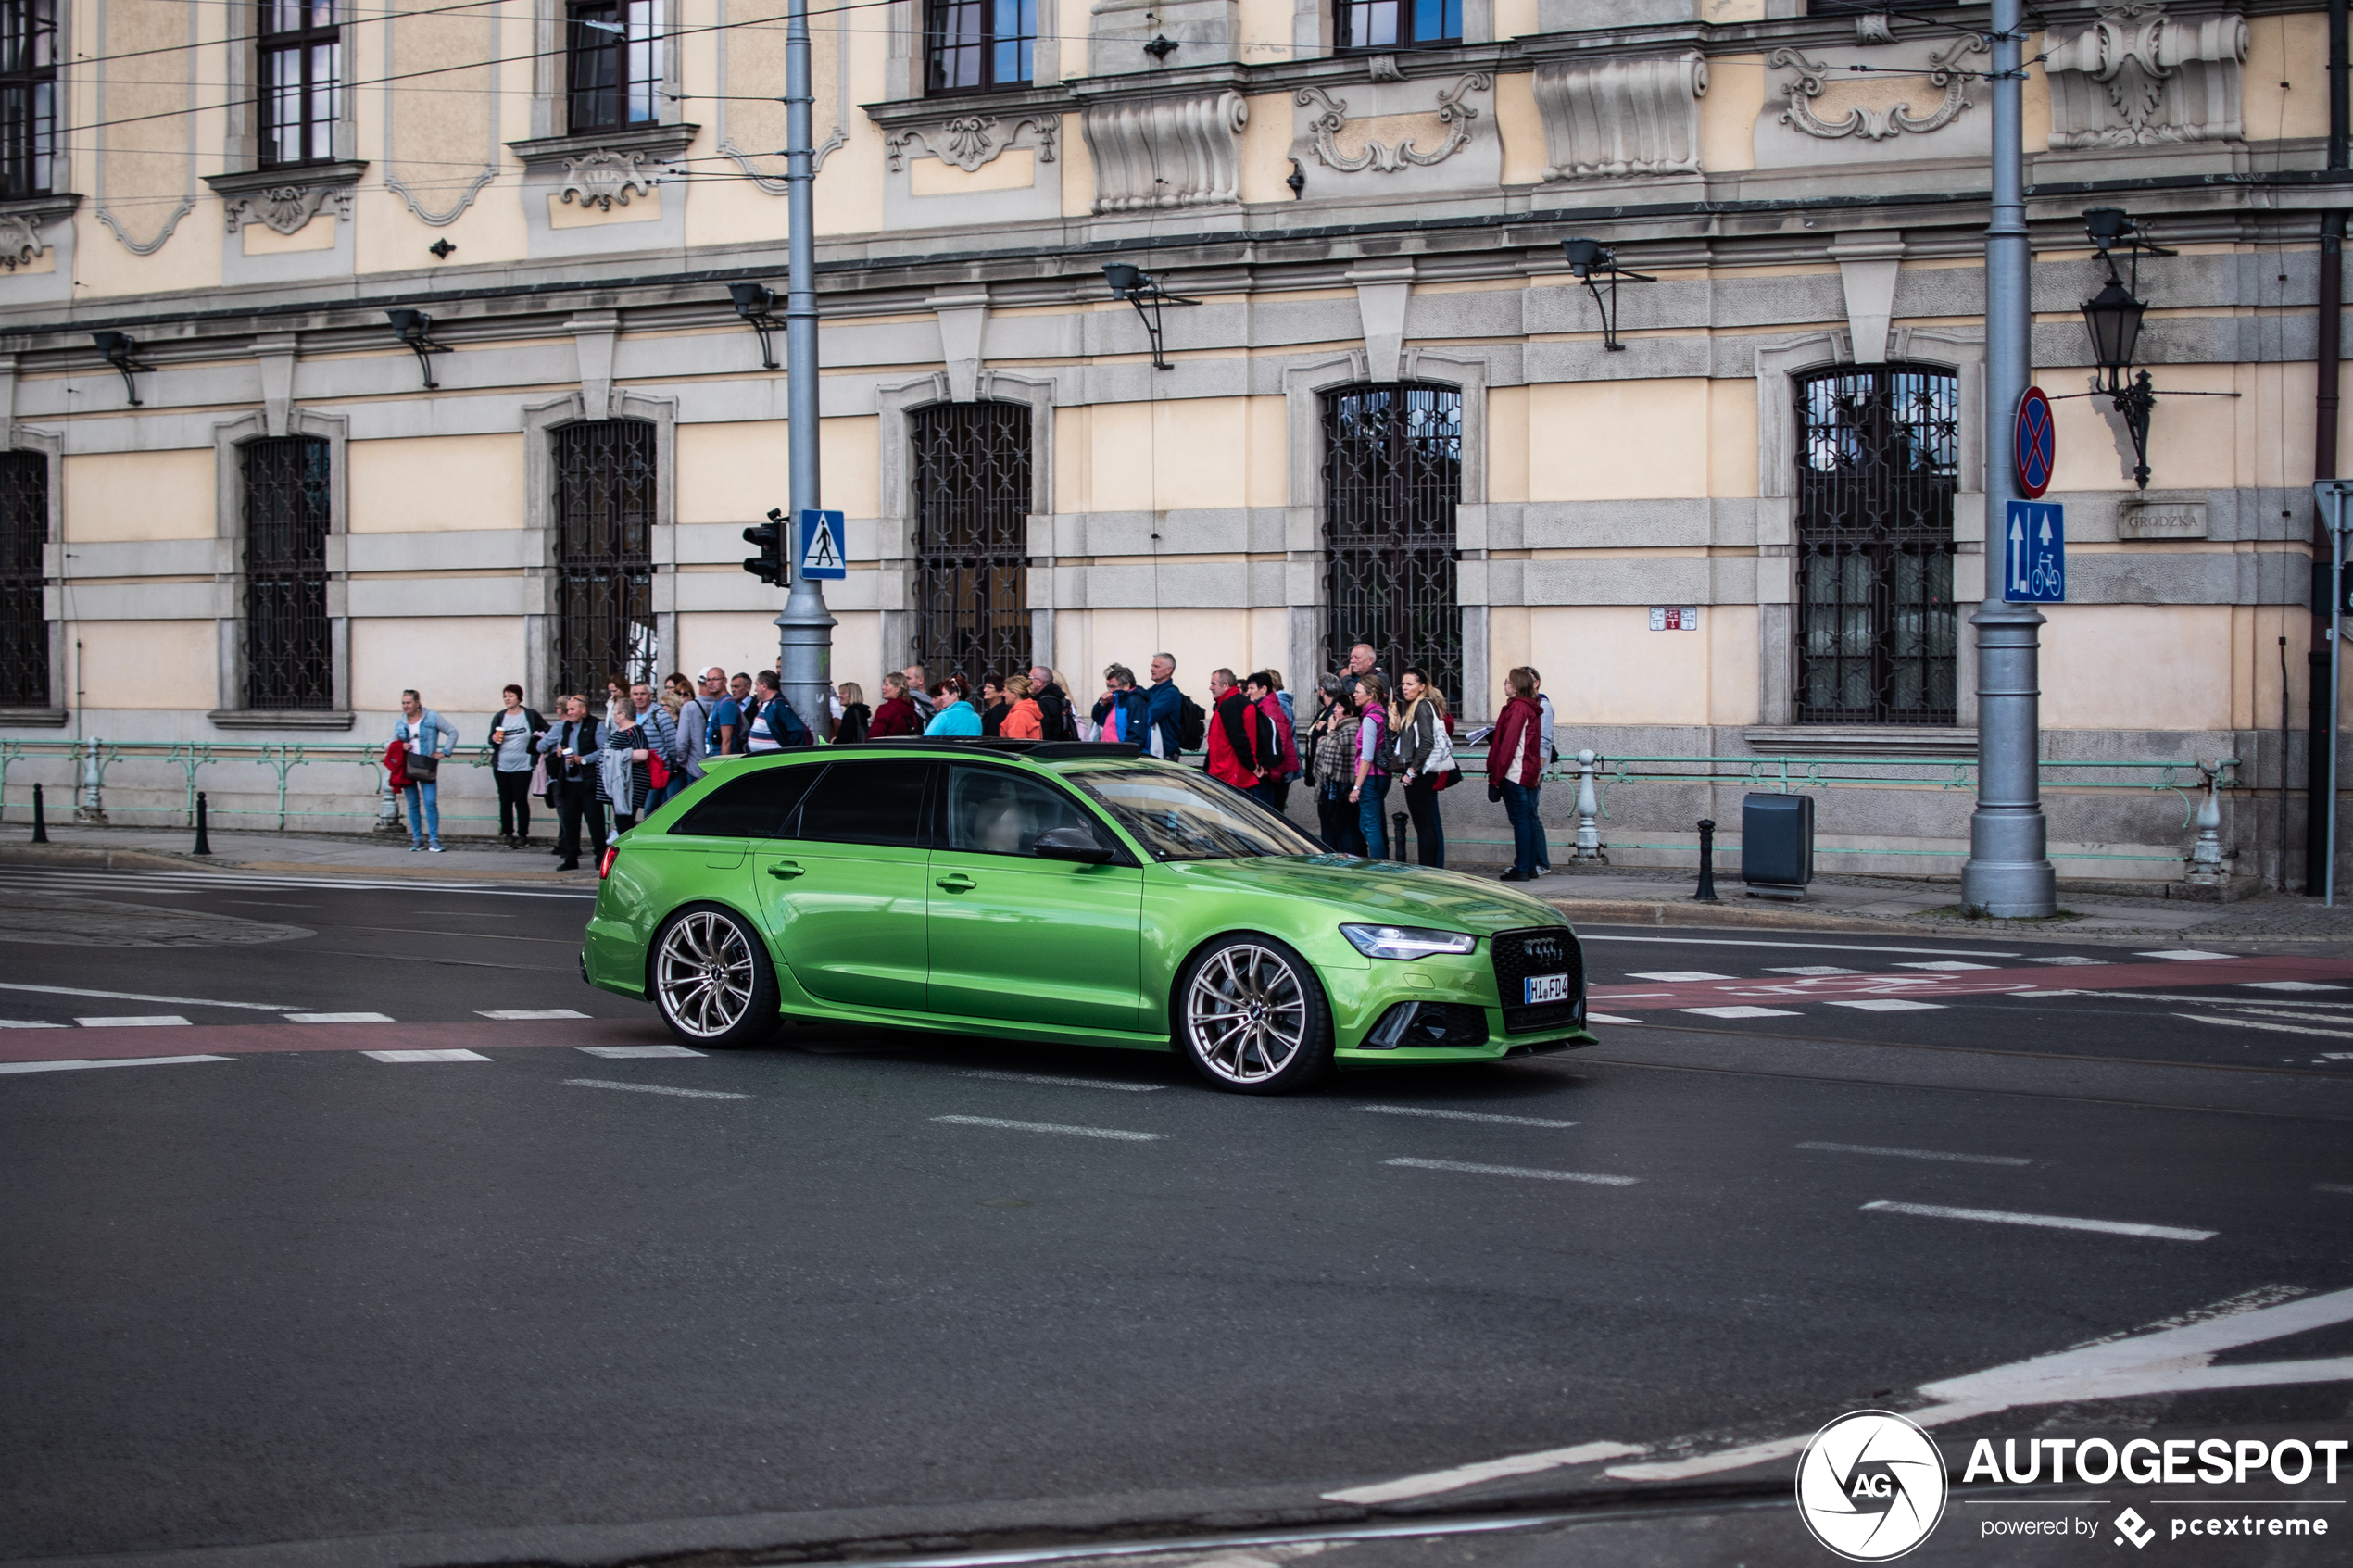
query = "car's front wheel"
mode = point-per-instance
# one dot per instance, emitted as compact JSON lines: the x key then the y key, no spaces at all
{"x":712,"y":979}
{"x":1251,"y":1018}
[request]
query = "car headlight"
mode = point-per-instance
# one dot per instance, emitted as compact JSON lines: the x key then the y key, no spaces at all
{"x":1405,"y":941}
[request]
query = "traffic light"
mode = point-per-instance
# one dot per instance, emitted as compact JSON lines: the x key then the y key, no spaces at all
{"x":769,"y":564}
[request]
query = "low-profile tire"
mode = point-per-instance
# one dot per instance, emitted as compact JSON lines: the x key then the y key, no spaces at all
{"x":1250,"y":1015}
{"x":711,"y":980}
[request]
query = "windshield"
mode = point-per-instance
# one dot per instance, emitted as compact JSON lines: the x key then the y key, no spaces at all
{"x":1179,"y":815}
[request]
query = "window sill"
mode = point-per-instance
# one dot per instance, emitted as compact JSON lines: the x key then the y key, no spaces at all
{"x":278,"y":719}
{"x":243,"y":182}
{"x":32,"y":718}
{"x":652,"y":142}
{"x":1861,"y":740}
{"x":901,"y":113}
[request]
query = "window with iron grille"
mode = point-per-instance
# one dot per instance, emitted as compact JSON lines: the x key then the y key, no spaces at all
{"x":24,"y":617}
{"x":612,"y":64}
{"x":1392,"y":475}
{"x":1878,"y":466}
{"x":28,"y":96}
{"x":1399,"y":24}
{"x":970,"y":504}
{"x":300,"y":47}
{"x":289,"y":647}
{"x":978,"y":45}
{"x":605,"y":505}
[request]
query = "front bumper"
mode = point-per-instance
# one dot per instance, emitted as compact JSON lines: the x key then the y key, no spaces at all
{"x":1445,"y":992}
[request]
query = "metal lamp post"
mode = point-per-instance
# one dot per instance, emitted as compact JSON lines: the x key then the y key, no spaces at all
{"x":2008,"y":873}
{"x":805,"y":630}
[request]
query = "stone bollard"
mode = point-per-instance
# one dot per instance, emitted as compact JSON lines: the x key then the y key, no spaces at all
{"x":92,"y":807}
{"x":387,"y":805}
{"x":2208,"y":862}
{"x":1706,"y":894}
{"x":1589,"y":808}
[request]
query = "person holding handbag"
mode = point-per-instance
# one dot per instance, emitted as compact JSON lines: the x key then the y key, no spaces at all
{"x":425,"y":738}
{"x":1516,"y":768}
{"x":1424,"y":756}
{"x":514,"y":750}
{"x":1370,"y":792}
{"x":1332,"y":752}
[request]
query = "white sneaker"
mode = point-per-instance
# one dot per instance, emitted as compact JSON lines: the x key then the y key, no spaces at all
{"x":434,"y":849}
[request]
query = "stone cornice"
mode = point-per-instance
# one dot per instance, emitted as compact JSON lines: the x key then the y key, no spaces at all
{"x":653,"y":142}
{"x":245,"y":181}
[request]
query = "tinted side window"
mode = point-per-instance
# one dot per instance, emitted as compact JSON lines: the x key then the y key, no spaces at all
{"x":867,"y":803}
{"x":997,"y":812}
{"x":755,"y":805}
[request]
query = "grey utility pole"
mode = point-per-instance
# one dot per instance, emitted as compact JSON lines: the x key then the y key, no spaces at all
{"x":2008,"y":871}
{"x":805,"y":630}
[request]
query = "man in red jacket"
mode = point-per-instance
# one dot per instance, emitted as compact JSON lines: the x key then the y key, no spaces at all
{"x":1236,"y":751}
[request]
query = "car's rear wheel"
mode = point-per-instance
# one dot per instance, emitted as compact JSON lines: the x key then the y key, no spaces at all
{"x":711,"y":978}
{"x":1251,"y":1018}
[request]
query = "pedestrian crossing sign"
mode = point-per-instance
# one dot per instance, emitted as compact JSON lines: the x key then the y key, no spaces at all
{"x":825,"y":551}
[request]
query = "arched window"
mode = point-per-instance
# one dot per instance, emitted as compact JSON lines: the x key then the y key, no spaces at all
{"x":289,"y":643}
{"x":604,"y":569}
{"x":1878,"y":466}
{"x":24,"y":617}
{"x":1392,"y":475}
{"x":970,"y":505}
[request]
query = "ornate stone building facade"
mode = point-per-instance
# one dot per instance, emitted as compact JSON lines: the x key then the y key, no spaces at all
{"x":256,"y":512}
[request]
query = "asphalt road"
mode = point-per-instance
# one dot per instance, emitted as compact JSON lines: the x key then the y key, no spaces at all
{"x":562,"y":1299}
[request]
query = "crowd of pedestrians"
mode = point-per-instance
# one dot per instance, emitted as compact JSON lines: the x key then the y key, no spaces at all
{"x":1363,"y":743}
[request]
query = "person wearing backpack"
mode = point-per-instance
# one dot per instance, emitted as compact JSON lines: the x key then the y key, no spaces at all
{"x":1174,"y":722}
{"x":773,"y":725}
{"x":1422,"y":757}
{"x":1278,"y":761}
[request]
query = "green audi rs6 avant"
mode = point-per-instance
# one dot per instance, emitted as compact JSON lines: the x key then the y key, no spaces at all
{"x":1065,"y":892}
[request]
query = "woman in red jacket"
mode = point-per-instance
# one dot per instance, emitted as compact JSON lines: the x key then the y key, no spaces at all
{"x":1516,"y":768}
{"x":896,"y":715}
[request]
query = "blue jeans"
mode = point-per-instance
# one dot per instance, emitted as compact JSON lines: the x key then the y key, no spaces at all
{"x":425,"y":821}
{"x":1372,"y":815}
{"x":1528,"y":835}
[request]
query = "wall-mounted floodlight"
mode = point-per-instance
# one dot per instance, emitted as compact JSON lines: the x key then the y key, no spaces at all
{"x":1143,"y":290}
{"x":753,"y":303}
{"x":415,"y":329}
{"x":122,"y":351}
{"x":1590,"y":262}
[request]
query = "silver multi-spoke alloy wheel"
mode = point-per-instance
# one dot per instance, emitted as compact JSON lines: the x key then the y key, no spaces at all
{"x":705,"y":973}
{"x":1246,"y":1013}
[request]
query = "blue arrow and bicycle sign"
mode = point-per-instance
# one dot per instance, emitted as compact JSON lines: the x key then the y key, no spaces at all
{"x":2035,"y":562}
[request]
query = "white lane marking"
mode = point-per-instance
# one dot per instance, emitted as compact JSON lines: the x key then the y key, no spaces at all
{"x":1815,"y":968}
{"x":1918,"y":1154}
{"x":1116,"y":1133}
{"x":2249,"y":1010}
{"x":139,"y":996}
{"x":2288,"y":985}
{"x":1889,"y":1004}
{"x":1062,"y":1083}
{"x":2258,"y":1023}
{"x":1461,"y":1476}
{"x":1670,"y":976}
{"x":1947,"y":964}
{"x":2170,"y":1361}
{"x":653,"y":1089}
{"x":2339,"y":1188}
{"x":1742,"y":1013}
{"x":109,"y":1062}
{"x":338,"y":1018}
{"x":511,"y":1015}
{"x":28,"y":1024}
{"x":2185,"y":955}
{"x":1529,"y":1171}
{"x":1463,"y":1115}
{"x":2046,"y":1221}
{"x":427,"y":1055}
{"x":630,"y":1053}
{"x":2076,"y":959}
{"x":2228,"y":1306}
{"x":1608,"y":1018}
{"x":149,"y":1020}
{"x":1808,"y":946}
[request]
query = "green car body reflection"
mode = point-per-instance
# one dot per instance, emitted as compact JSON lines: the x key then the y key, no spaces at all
{"x":1072,"y":893}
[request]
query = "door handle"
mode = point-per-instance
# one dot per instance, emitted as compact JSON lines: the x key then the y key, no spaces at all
{"x":785,"y":871}
{"x":957,"y":881}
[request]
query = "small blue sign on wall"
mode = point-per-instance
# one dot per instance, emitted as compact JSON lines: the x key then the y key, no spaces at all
{"x":2035,"y":559}
{"x":825,"y":546}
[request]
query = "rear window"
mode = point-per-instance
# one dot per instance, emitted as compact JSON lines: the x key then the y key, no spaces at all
{"x":755,"y":805}
{"x":877,"y":802}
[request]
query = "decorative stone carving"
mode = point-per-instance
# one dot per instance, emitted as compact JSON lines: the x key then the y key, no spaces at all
{"x":20,"y":241}
{"x":603,"y":177}
{"x":284,"y":209}
{"x":1875,"y":123}
{"x":1454,"y":117}
{"x":2137,"y":77}
{"x":1167,"y":151}
{"x":1618,"y":119}
{"x":970,"y":141}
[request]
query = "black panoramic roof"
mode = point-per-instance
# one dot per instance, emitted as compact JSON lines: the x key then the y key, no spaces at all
{"x":1041,"y":750}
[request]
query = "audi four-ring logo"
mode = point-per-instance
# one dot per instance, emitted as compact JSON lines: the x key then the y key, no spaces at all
{"x":1546,"y":951}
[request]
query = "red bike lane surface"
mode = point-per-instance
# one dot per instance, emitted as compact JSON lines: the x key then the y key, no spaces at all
{"x":1944,"y":985}
{"x":251,"y":1039}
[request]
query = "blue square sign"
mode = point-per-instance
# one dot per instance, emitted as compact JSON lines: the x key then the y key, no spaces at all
{"x":2035,"y":554}
{"x":824,"y":548}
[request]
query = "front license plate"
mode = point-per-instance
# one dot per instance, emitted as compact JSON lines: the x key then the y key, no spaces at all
{"x":1547,"y":988}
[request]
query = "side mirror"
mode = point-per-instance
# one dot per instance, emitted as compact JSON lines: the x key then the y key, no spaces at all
{"x":1071,"y":843}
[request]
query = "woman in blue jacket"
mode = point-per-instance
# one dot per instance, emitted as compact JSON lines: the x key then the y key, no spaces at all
{"x":424,"y":734}
{"x":952,"y":712}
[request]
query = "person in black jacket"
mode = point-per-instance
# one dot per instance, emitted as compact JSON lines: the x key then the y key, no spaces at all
{"x":572,"y":749}
{"x":1053,"y":704}
{"x":855,"y":714}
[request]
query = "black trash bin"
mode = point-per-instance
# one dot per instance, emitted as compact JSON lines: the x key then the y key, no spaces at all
{"x":1776,"y":844}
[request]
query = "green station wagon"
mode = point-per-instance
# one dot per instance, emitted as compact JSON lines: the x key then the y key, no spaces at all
{"x":1065,"y":892}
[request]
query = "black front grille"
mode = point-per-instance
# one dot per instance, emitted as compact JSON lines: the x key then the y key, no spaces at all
{"x":1546,"y":950}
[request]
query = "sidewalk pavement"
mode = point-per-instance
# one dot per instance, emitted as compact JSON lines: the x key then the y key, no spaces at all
{"x":1595,"y":896}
